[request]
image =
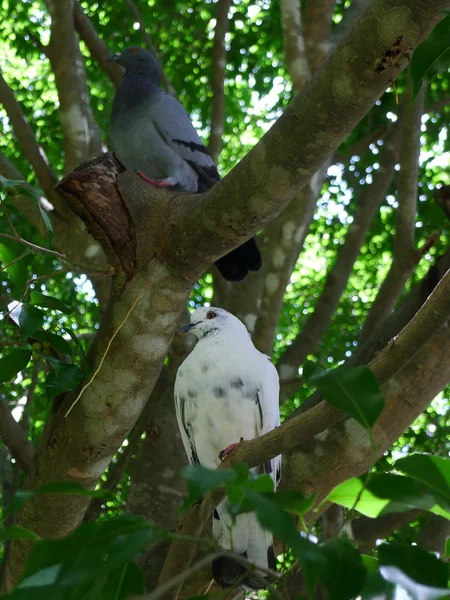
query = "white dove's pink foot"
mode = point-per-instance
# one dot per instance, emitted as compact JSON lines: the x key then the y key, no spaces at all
{"x":226,"y":451}
{"x":169,"y":182}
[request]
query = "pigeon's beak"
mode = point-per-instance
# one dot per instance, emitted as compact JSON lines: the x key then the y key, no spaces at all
{"x":113,"y":58}
{"x":189,"y":327}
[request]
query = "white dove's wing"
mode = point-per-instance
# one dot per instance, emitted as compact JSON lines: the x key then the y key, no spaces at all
{"x":268,"y":404}
{"x":184,"y":425}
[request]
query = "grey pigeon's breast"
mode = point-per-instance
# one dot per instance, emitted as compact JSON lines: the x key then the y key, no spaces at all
{"x":138,"y":145}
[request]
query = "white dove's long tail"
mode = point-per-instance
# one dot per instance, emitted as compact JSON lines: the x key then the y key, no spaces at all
{"x":247,"y":538}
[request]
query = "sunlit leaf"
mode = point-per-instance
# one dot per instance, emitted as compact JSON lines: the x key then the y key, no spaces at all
{"x":433,"y":474}
{"x":385,"y":493}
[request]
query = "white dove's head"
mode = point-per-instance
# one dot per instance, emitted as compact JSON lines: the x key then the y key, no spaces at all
{"x":210,"y":320}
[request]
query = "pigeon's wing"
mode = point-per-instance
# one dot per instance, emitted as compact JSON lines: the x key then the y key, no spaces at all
{"x":174,"y":125}
{"x":269,"y":412}
{"x":184,"y":425}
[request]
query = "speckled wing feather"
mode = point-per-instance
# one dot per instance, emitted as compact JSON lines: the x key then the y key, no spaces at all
{"x":182,"y":414}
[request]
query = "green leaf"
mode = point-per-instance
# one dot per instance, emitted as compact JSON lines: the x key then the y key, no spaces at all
{"x":56,"y":341}
{"x":30,"y":319}
{"x":417,"y":564}
{"x":369,"y":562}
{"x":124,"y":582}
{"x":90,"y":555}
{"x":385,"y":493}
{"x":14,"y":362}
{"x":353,"y":390}
{"x":16,"y":532}
{"x":201,"y":480}
{"x":429,"y":55}
{"x":29,"y":191}
{"x":17,"y":272}
{"x":64,"y":378}
{"x":432,"y":472}
{"x":49,"y":302}
{"x":293,"y":502}
{"x":345,"y":573}
{"x":447,"y":548}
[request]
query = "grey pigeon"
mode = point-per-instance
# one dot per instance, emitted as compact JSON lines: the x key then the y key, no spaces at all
{"x":226,"y":390}
{"x":152,"y":134}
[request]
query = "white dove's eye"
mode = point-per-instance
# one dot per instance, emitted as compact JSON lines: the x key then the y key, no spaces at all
{"x":211,"y":315}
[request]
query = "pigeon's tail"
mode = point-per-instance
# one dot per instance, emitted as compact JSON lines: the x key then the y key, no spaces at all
{"x":236,"y":265}
{"x":248,"y":539}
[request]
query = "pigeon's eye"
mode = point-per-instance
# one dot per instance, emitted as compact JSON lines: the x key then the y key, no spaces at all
{"x":211,"y":315}
{"x":132,"y":50}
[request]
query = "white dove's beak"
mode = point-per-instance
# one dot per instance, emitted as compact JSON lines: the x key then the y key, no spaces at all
{"x":189,"y":327}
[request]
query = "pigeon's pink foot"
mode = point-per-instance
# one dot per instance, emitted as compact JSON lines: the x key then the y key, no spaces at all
{"x":169,"y":182}
{"x":226,"y":451}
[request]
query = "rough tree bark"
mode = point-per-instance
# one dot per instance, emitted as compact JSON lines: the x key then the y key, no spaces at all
{"x":160,"y":244}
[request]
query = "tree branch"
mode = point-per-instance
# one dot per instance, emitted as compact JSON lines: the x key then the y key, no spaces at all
{"x":81,"y":134}
{"x":97,"y":47}
{"x":15,"y":438}
{"x":31,"y":149}
{"x":370,"y":199}
{"x":404,"y":254}
{"x":434,"y":534}
{"x":285,"y":238}
{"x":316,"y":30}
{"x":405,"y":312}
{"x":293,"y":43}
{"x":219,"y":63}
{"x":366,"y":531}
{"x":148,"y":42}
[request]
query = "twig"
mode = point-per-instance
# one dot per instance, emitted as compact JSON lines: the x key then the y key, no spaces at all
{"x":104,"y":355}
{"x":62,"y":257}
{"x":15,"y":438}
{"x":27,"y":253}
{"x":431,"y":241}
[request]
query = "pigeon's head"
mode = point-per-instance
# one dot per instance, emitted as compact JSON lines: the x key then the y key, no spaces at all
{"x":208,"y":321}
{"x":139,"y":61}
